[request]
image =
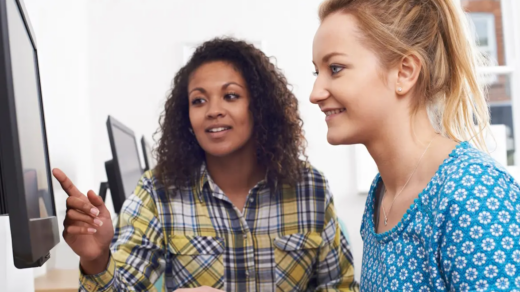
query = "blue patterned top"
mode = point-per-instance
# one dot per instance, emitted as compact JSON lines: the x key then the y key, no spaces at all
{"x":461,"y":234}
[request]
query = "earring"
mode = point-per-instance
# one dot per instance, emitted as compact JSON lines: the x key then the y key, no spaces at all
{"x":191,"y":131}
{"x":399,"y":89}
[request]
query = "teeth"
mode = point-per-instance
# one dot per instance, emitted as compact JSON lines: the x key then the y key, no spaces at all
{"x":333,"y":112}
{"x":215,"y":130}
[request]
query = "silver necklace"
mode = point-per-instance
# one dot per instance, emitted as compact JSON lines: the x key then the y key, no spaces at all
{"x":395,"y":197}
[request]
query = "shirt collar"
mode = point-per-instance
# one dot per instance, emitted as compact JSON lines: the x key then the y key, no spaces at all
{"x":205,"y":179}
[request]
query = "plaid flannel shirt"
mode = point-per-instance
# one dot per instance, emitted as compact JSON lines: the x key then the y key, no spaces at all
{"x":287,"y":240}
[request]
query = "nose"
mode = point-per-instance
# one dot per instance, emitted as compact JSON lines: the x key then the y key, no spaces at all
{"x":215,"y":109}
{"x":319,"y":92}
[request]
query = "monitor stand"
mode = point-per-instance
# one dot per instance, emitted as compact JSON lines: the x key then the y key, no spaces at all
{"x":103,"y":188}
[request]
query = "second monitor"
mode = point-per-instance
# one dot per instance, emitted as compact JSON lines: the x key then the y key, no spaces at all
{"x":124,"y":170}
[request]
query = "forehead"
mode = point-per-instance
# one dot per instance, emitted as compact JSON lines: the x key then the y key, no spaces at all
{"x":338,"y":32}
{"x":216,"y":72}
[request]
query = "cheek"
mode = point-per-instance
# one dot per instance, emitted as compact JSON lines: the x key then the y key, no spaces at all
{"x":360,"y":92}
{"x":196,"y":119}
{"x":347,"y":93}
{"x":244,"y":118}
{"x":247,"y":126}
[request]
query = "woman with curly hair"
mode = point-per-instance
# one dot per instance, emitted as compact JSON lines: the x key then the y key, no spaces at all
{"x":230,"y":205}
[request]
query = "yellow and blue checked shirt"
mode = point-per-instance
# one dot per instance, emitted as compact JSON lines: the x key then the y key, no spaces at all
{"x":284,"y":241}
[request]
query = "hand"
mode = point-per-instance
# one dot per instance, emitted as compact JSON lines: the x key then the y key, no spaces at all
{"x":88,"y":225}
{"x":199,"y":289}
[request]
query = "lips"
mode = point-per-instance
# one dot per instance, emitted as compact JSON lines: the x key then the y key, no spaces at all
{"x":217,"y":128}
{"x":218,"y":132}
{"x":331,"y":112}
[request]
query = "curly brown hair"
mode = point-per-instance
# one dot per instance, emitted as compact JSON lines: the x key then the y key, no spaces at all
{"x":277,"y":126}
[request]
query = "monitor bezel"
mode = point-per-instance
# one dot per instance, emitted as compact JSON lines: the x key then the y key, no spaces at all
{"x":31,"y":240}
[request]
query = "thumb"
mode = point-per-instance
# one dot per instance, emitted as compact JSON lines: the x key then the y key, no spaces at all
{"x":97,"y":202}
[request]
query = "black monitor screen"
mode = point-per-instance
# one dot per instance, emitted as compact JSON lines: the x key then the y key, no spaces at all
{"x":128,"y":159}
{"x":28,"y":116}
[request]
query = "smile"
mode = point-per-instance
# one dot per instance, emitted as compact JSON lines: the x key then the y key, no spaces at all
{"x":219,"y":129}
{"x":334,"y":112}
{"x":329,"y":114}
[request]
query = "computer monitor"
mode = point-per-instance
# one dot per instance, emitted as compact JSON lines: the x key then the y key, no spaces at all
{"x":26,"y":192}
{"x":149,"y":160}
{"x":124,"y":170}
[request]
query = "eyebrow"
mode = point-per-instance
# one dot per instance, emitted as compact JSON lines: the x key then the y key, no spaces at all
{"x":202,"y":90}
{"x":327,"y":57}
{"x":230,"y":83}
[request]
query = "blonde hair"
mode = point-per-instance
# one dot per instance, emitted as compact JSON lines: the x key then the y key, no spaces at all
{"x":437,"y":33}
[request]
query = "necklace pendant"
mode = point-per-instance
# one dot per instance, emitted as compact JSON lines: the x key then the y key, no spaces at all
{"x":386,"y":221}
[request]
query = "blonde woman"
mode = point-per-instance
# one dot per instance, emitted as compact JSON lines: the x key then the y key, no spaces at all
{"x":399,"y":76}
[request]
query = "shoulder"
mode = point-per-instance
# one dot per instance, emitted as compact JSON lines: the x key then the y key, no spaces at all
{"x":475,"y":187}
{"x":312,"y":176}
{"x":150,"y":189}
{"x":144,"y":198}
{"x":476,"y":219}
{"x":474,"y":173}
{"x":312,"y":183}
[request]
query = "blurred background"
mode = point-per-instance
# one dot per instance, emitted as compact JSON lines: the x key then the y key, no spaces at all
{"x":115,"y":57}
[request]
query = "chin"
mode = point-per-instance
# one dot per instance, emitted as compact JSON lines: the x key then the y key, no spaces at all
{"x":219,"y":150}
{"x":333,"y":140}
{"x":340,"y":138}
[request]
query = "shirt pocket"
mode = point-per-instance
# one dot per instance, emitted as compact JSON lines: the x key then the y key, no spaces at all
{"x":197,"y":261}
{"x":295,"y":257}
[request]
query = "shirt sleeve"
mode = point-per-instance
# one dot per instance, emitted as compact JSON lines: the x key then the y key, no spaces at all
{"x":478,"y":232}
{"x":335,"y":266}
{"x":137,"y":250}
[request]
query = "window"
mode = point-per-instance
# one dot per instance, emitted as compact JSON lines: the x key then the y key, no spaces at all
{"x":483,"y":29}
{"x":496,"y":30}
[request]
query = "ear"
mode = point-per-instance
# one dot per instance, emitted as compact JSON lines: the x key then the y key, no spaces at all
{"x":408,"y":73}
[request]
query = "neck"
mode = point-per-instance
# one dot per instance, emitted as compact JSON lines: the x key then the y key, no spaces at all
{"x":399,"y":146}
{"x":236,"y":173}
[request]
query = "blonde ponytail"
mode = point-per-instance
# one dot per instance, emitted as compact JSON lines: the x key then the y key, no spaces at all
{"x":437,"y":33}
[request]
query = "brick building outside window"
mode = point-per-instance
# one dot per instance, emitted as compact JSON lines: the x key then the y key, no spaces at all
{"x":486,"y":17}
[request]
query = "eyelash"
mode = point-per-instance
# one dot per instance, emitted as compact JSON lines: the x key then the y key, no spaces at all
{"x":196,"y":101}
{"x":331,"y":67}
{"x":199,"y":100}
{"x":335,"y":66}
{"x":236,"y":96}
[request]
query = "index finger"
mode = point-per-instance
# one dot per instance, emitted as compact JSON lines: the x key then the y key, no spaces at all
{"x":66,"y":183}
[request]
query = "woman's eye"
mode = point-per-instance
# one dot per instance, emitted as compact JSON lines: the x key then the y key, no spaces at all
{"x":231,"y":96}
{"x":196,"y":101}
{"x":335,"y":69}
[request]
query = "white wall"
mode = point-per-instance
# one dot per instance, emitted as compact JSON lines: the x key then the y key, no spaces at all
{"x":119,"y":57}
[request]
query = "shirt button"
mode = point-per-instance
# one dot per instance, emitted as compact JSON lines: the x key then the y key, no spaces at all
{"x":251,"y":200}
